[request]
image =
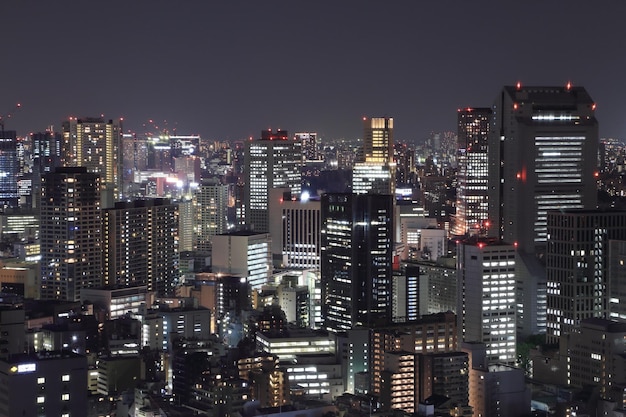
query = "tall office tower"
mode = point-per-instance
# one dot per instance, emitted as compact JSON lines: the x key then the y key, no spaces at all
{"x":8,"y":169}
{"x":140,"y":244}
{"x":134,"y":159}
{"x":486,"y":296}
{"x":404,"y":157}
{"x":372,"y":178}
{"x":378,"y":140}
{"x":375,"y":169}
{"x":210,"y":203}
{"x":544,"y":152}
{"x":273,"y":161}
{"x":71,"y":233}
{"x":357,"y":240}
{"x":295,"y":227}
{"x":46,"y":154}
{"x":577,"y":266}
{"x":472,"y":210}
{"x":186,"y":225}
{"x":309,"y":146}
{"x":243,"y":253}
{"x":96,"y":144}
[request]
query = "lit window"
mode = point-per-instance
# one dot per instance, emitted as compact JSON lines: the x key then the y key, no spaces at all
{"x":41,"y":380}
{"x":65,"y":378}
{"x":40,"y":400}
{"x":65,"y":397}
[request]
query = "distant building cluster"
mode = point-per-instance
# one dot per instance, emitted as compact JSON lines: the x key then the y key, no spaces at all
{"x":479,"y":273}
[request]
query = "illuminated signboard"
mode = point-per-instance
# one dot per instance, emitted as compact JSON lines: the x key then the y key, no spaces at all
{"x":24,"y":368}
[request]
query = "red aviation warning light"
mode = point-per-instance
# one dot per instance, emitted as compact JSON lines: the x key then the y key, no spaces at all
{"x":518,"y":85}
{"x":514,"y":106}
{"x":593,"y":106}
{"x":568,"y":86}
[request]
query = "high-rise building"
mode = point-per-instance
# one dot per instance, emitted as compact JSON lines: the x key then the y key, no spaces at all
{"x":140,"y":244}
{"x":577,"y":267}
{"x":378,"y":140}
{"x":71,"y":233}
{"x":357,"y":240}
{"x":186,"y":225}
{"x":9,"y":167}
{"x":375,"y":169}
{"x":472,"y":209}
{"x":273,"y":161}
{"x":486,"y":297}
{"x":96,"y":144}
{"x":543,"y":155}
{"x":295,"y":227}
{"x":243,"y":253}
{"x":210,"y":203}
{"x":404,"y":157}
{"x":308,"y":141}
{"x":596,"y":355}
{"x":46,"y":154}
{"x":372,"y":177}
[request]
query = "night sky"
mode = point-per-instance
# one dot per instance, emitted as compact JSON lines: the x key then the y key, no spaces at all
{"x":228,"y":69}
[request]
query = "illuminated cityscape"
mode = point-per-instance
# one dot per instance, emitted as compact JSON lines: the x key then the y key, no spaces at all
{"x":284,"y":209}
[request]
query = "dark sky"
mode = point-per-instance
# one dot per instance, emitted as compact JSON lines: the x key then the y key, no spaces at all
{"x":228,"y":69}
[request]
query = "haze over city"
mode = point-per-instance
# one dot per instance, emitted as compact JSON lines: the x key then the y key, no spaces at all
{"x":225,"y":70}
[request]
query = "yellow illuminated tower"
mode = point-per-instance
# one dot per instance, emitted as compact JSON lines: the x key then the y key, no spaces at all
{"x":374,"y":170}
{"x":95,"y":144}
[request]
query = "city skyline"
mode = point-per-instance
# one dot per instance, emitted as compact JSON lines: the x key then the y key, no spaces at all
{"x":224,"y":71}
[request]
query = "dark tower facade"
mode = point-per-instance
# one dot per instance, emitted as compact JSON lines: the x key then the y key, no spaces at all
{"x":356,"y":260}
{"x":71,"y":233}
{"x":543,"y":151}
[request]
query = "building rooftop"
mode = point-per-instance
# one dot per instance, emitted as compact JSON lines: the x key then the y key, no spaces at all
{"x":243,"y":233}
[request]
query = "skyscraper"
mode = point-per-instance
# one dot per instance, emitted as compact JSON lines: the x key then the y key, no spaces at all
{"x":486,"y":308}
{"x":472,"y":209}
{"x":577,"y":267}
{"x":210,"y":203}
{"x":374,"y":170}
{"x":140,"y":245}
{"x":8,"y":169}
{"x":71,"y":233}
{"x":357,"y":239}
{"x":308,"y":141}
{"x":46,"y":154}
{"x":295,"y":226}
{"x":543,"y":155}
{"x":378,"y":139}
{"x":97,"y":145}
{"x":273,"y":161}
{"x":243,"y":253}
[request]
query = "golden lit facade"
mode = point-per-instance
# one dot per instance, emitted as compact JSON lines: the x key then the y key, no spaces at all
{"x":375,"y":170}
{"x":97,"y":145}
